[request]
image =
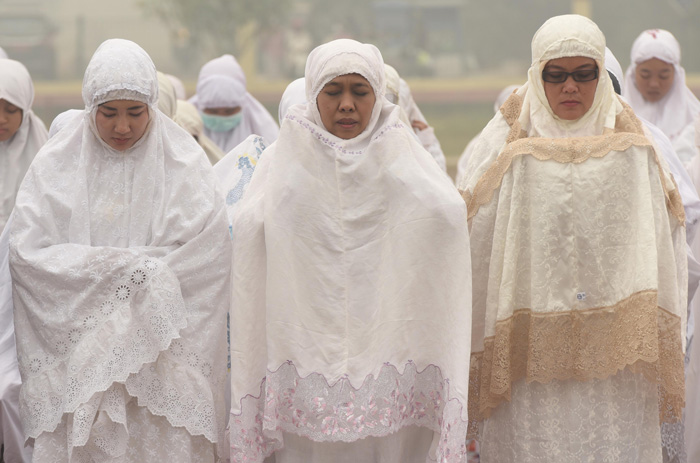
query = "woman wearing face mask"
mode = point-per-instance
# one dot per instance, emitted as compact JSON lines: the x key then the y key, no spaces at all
{"x":349,"y":333}
{"x":22,"y":133}
{"x":229,"y":113}
{"x":120,"y":268}
{"x":655,"y":83}
{"x":579,"y":266}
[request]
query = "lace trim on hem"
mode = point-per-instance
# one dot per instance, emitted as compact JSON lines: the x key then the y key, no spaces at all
{"x":44,"y":400}
{"x":581,"y":345}
{"x":628,"y":132}
{"x":313,"y":408}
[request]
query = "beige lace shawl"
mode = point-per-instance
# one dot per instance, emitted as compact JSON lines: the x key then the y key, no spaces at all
{"x":578,"y":261}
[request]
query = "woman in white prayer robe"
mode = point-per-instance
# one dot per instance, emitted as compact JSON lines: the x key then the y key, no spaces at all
{"x":351,"y":284}
{"x":229,"y":112}
{"x":22,"y":133}
{"x":119,"y":255}
{"x":579,"y":265}
{"x":655,"y":83}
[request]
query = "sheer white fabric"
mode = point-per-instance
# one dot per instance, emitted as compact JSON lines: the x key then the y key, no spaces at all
{"x":178,"y":86}
{"x":343,"y":304}
{"x":11,"y":431}
{"x":464,"y":157}
{"x":426,"y":136}
{"x":222,"y":84}
{"x":68,"y":118}
{"x":295,"y":93}
{"x":3,"y":54}
{"x":544,"y":231}
{"x":680,"y":106}
{"x":17,"y":153}
{"x":120,"y":267}
{"x":188,"y":118}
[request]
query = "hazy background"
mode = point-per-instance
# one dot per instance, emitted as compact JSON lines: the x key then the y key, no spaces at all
{"x":455,"y":54}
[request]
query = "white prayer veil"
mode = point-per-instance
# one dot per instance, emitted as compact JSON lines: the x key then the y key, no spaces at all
{"x":17,"y":153}
{"x":679,"y":107}
{"x":222,"y":83}
{"x":67,"y":118}
{"x":121,"y":270}
{"x":167,"y":100}
{"x":3,"y":54}
{"x":327,"y":242}
{"x":582,"y":38}
{"x":294,"y":94}
{"x":178,"y":86}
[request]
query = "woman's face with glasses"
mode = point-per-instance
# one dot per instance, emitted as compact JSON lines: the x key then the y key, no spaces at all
{"x":570,"y":84}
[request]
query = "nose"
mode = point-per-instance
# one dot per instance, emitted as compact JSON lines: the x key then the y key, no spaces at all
{"x":570,"y":85}
{"x":654,"y":83}
{"x":347,"y":104}
{"x":122,"y":125}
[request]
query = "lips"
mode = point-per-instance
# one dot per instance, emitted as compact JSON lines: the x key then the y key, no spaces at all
{"x":570,"y":103}
{"x":346,"y":123}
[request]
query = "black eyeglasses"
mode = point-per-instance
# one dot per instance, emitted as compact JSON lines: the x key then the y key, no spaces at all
{"x":558,"y":77}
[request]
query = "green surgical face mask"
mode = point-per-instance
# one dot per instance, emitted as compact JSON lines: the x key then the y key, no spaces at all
{"x":221,"y":123}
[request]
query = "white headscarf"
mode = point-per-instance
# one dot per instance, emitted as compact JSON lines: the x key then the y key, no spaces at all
{"x":178,"y":86}
{"x":120,"y":261}
{"x":167,"y":100}
{"x":222,"y":83}
{"x":294,"y":94}
{"x":67,"y":118}
{"x":679,"y":107}
{"x":3,"y":54}
{"x":17,"y":153}
{"x":336,"y":268}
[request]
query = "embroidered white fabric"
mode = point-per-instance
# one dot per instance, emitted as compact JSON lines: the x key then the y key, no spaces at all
{"x":17,"y":153}
{"x":120,"y":267}
{"x":338,"y":412}
{"x":342,"y":297}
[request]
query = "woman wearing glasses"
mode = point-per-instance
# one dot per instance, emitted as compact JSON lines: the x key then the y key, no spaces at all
{"x":579,"y":268}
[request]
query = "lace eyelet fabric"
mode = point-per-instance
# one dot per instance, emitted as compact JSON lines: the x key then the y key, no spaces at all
{"x":311,"y":407}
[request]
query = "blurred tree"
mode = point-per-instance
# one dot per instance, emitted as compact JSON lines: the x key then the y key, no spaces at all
{"x":217,"y":24}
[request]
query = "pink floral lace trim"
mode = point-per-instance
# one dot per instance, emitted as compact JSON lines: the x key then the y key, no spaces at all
{"x":313,"y":408}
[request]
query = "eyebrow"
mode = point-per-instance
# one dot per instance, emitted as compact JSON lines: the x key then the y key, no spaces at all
{"x":554,"y":66}
{"x":132,"y":108}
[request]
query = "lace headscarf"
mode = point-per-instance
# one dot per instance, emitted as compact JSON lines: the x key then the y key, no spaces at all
{"x":120,"y":261}
{"x":582,"y":37}
{"x":17,"y":153}
{"x":327,"y":242}
{"x":679,"y":107}
{"x":222,"y":84}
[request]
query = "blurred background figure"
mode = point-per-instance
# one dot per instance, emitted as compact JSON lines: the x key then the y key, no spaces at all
{"x":655,"y":83}
{"x":229,"y":113}
{"x":187,"y":117}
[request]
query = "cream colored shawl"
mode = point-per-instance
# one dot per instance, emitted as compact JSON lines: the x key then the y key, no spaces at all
{"x":578,"y":243}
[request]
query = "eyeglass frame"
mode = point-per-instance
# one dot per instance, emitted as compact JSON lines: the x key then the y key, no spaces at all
{"x":596,"y":73}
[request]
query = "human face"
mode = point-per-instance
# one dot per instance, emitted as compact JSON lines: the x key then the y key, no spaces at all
{"x":654,"y":78}
{"x":121,"y":123}
{"x":10,"y":119}
{"x":570,"y":99}
{"x":222,"y":111}
{"x":345,"y":104}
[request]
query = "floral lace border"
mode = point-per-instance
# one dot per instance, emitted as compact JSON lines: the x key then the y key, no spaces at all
{"x":313,"y":408}
{"x":628,"y":132}
{"x":634,"y":333}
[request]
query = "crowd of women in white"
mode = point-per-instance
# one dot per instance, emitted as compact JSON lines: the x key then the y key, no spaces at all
{"x":373,"y":311}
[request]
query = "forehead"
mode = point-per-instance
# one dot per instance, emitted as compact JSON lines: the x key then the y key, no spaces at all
{"x":349,"y":79}
{"x":570,"y":63}
{"x":123,"y":104}
{"x":654,"y":64}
